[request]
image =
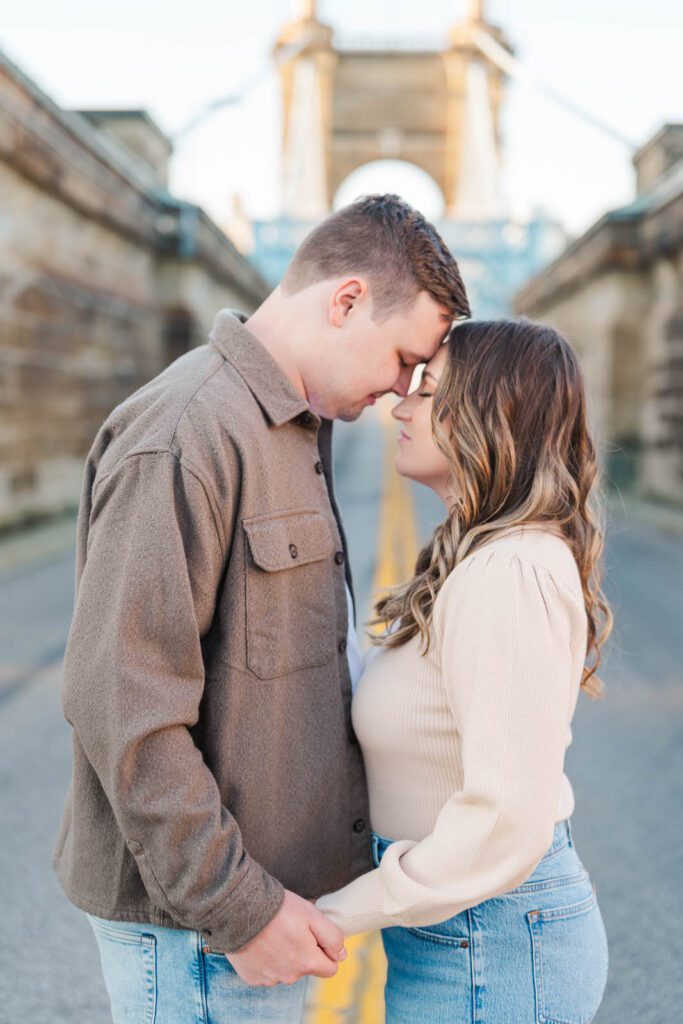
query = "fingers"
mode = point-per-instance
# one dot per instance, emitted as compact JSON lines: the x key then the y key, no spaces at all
{"x":299,"y":940}
{"x":323,"y":967}
{"x":319,"y":965}
{"x":329,"y":937}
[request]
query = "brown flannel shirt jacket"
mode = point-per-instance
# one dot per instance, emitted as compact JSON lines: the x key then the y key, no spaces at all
{"x":205,"y":675}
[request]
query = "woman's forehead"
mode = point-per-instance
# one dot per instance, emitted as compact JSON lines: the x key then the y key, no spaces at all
{"x":437,"y":362}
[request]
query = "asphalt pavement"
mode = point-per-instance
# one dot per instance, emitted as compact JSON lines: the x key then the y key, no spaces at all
{"x":625,"y":763}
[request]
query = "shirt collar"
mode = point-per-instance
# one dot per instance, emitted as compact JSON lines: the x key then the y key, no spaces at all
{"x":266,"y":380}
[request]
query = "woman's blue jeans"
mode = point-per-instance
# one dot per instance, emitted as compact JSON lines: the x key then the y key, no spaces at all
{"x":535,"y":955}
{"x":157,"y":975}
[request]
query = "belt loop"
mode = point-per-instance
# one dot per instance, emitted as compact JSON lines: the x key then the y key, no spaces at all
{"x":570,"y":838}
{"x":375,"y":845}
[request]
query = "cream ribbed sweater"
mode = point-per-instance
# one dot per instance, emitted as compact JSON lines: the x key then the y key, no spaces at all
{"x":464,"y":747}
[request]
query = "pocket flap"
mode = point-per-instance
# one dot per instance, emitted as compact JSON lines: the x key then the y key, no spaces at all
{"x":289,"y":539}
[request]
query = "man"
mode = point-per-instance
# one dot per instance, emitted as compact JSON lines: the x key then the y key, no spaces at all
{"x":217,"y":786}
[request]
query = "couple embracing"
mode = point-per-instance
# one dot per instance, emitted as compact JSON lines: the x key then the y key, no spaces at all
{"x":247,"y":789}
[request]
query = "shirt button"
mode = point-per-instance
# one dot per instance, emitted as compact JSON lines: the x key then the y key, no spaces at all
{"x":359,"y":825}
{"x":319,"y":468}
{"x":339,"y":557}
{"x":304,"y":419}
{"x":342,"y":646}
{"x":293,"y":550}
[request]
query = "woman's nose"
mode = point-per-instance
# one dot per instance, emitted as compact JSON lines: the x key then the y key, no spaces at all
{"x":401,"y":411}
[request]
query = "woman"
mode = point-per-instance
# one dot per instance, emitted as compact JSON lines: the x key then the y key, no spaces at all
{"x":463,"y":714}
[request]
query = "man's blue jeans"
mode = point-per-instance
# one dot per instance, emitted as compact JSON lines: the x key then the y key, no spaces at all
{"x":157,"y":975}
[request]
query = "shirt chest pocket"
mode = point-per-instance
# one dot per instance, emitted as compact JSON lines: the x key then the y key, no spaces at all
{"x":290,"y":606}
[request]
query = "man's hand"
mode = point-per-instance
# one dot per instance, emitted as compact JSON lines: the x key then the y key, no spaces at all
{"x":299,"y":940}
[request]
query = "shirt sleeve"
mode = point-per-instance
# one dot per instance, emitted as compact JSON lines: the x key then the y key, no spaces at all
{"x":132,"y":688}
{"x":505,"y":628}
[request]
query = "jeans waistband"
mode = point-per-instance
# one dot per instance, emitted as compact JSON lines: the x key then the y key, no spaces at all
{"x":562,"y":836}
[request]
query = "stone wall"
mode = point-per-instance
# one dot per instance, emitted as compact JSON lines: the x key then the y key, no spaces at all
{"x":104,"y":279}
{"x":617,"y":293}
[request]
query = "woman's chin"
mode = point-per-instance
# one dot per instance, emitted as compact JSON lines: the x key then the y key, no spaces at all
{"x":401,"y":468}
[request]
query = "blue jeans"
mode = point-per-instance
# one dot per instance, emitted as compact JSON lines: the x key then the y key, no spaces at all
{"x":535,"y":955}
{"x":157,"y":975}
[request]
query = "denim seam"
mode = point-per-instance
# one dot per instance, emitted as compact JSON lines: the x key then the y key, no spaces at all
{"x":444,"y":940}
{"x":201,"y":989}
{"x":574,"y":910}
{"x":150,"y":960}
{"x":125,"y":936}
{"x":538,"y":970}
{"x":553,"y":852}
{"x":551,"y":883}
{"x":476,"y":987}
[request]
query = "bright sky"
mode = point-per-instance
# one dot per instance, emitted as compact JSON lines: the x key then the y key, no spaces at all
{"x":617,"y":58}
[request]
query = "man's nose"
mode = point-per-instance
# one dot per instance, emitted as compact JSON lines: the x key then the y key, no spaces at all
{"x":402,"y":385}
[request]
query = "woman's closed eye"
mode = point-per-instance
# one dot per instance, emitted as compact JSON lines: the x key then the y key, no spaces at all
{"x":427,"y":380}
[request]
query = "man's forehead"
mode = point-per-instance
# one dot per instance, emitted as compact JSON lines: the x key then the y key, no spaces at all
{"x":425,"y":356}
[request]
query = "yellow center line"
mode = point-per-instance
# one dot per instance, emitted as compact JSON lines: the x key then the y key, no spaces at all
{"x":356,"y":993}
{"x":398,"y":535}
{"x":330,"y":1000}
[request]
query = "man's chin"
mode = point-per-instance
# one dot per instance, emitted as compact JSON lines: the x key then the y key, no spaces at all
{"x":351,"y":412}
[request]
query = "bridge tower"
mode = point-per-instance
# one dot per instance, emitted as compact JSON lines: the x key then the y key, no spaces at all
{"x":348,"y":103}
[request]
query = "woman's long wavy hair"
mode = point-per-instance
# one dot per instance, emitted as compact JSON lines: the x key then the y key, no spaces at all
{"x":509,"y":416}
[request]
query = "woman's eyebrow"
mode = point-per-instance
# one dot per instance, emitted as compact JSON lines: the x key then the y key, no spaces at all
{"x":426,"y":373}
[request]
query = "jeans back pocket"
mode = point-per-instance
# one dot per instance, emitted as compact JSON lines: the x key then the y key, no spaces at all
{"x":128,"y":955}
{"x":570,"y":961}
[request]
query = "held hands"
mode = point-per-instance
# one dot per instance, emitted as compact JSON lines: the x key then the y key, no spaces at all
{"x":299,"y":940}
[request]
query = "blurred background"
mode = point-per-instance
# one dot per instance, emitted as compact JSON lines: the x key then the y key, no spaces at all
{"x":158,"y":164}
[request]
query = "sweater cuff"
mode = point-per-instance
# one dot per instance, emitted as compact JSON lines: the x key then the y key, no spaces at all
{"x":246,"y":911}
{"x":358,"y":906}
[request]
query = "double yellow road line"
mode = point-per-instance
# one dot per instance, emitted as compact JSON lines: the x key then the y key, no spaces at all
{"x":356,"y":993}
{"x":398,"y":534}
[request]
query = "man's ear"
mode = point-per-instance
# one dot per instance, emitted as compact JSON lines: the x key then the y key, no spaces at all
{"x":345,"y":298}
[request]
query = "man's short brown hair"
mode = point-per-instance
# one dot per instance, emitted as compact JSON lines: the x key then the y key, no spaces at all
{"x":384,"y":239}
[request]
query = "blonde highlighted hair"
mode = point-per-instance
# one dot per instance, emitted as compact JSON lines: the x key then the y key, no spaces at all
{"x":509,"y":416}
